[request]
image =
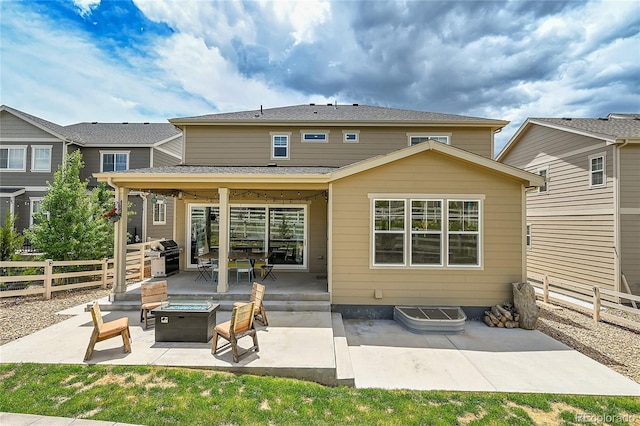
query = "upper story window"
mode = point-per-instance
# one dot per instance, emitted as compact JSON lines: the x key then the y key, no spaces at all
{"x":415,"y":139}
{"x":40,"y":158}
{"x":545,"y":174}
{"x":114,"y":161}
{"x":315,"y":136}
{"x":350,"y":136}
{"x":280,"y":146}
{"x":597,"y":177}
{"x":435,"y":232}
{"x":13,"y":158}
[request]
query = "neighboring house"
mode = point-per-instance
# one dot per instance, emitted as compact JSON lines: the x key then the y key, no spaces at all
{"x":393,"y":206}
{"x":32,"y":149}
{"x":584,"y":223}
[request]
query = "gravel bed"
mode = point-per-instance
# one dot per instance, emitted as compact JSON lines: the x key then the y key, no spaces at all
{"x":20,"y":316}
{"x":614,"y":345}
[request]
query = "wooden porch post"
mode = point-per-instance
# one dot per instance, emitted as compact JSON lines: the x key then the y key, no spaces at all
{"x":120,"y":245}
{"x":223,"y":242}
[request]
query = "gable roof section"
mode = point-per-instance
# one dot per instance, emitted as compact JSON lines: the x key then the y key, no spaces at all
{"x":125,"y":134}
{"x":531,"y":179}
{"x":310,"y":175}
{"x":337,"y":114}
{"x":53,"y":129}
{"x":614,"y":128}
{"x":104,"y":134}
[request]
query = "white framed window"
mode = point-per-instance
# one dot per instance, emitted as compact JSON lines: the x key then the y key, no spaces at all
{"x":40,"y":158}
{"x":416,"y":138}
{"x":389,"y":232}
{"x":432,"y":232}
{"x":114,"y":161}
{"x":350,"y":136}
{"x":463,"y":218}
{"x":597,"y":172}
{"x":528,"y":235}
{"x":545,"y":174}
{"x":426,"y":232}
{"x":35,"y":205}
{"x":280,"y":146}
{"x":13,"y":158}
{"x":321,"y":136}
{"x":160,"y":213}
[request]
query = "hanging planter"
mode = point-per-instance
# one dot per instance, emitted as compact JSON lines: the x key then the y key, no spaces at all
{"x":113,"y":215}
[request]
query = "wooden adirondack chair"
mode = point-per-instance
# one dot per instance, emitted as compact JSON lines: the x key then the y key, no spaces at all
{"x":240,"y":325}
{"x":106,"y":330}
{"x":257,"y":296}
{"x":152,"y":295}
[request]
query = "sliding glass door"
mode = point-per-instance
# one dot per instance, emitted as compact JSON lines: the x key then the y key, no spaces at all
{"x":277,"y":233}
{"x":286,"y":235}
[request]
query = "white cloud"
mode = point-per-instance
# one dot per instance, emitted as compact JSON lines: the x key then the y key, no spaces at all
{"x":202,"y":71}
{"x":304,"y":17}
{"x":69,"y":79}
{"x":86,"y":6}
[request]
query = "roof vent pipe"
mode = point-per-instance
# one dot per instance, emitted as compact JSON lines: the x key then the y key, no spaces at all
{"x":260,"y":109}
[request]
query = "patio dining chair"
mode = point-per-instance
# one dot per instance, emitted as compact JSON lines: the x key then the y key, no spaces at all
{"x":240,"y":325}
{"x":257,"y":297}
{"x":204,"y":269}
{"x":244,"y":266}
{"x":106,"y":330}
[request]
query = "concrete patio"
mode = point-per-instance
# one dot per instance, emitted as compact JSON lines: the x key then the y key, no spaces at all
{"x":320,"y":346}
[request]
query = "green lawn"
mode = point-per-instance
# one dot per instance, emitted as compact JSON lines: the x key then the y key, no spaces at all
{"x":178,"y":396}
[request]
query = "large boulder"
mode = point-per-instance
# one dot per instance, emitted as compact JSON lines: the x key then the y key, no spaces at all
{"x":524,"y":300}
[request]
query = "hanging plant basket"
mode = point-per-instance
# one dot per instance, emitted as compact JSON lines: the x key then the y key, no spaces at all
{"x":113,"y":215}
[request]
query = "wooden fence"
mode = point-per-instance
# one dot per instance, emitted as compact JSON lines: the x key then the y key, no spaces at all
{"x":23,"y":278}
{"x":593,"y":297}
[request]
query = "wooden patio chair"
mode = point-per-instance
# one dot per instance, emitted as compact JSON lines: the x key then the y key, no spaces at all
{"x":240,"y":325}
{"x":106,"y":330}
{"x":257,"y":296}
{"x":152,"y":295}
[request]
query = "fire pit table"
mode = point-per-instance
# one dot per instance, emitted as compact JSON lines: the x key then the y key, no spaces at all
{"x":185,"y":320}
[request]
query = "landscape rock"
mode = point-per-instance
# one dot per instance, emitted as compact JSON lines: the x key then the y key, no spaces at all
{"x":524,"y":300}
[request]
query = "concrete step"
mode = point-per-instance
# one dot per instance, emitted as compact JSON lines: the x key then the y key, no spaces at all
{"x":227,"y":305}
{"x":234,"y":297}
{"x":344,"y":369}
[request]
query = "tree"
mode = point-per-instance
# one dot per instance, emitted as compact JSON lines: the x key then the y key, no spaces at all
{"x":10,"y":240}
{"x":70,"y":224}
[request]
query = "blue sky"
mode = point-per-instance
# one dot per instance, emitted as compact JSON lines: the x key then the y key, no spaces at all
{"x":150,"y":60}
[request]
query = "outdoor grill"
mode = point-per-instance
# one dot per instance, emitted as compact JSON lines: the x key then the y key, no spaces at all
{"x":165,"y":258}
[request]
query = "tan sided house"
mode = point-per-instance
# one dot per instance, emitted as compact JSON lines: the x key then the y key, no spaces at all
{"x":394,"y":206}
{"x":583,"y":225}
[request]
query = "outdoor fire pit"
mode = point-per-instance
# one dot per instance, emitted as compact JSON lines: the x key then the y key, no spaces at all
{"x":185,"y":320}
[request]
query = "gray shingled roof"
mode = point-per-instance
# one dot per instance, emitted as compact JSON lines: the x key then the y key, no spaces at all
{"x":331,"y":113}
{"x":104,"y":134}
{"x":232,"y":170}
{"x":615,"y":126}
